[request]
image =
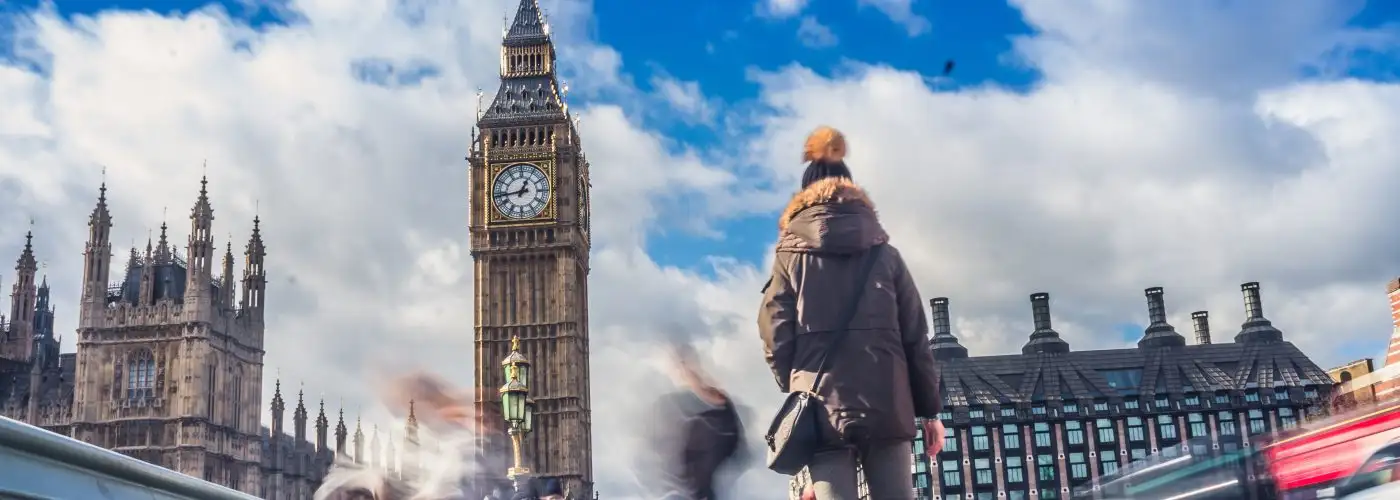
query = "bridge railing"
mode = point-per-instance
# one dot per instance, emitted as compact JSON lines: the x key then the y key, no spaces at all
{"x":36,"y":464}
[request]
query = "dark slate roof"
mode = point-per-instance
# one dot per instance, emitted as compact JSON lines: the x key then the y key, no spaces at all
{"x":533,"y":98}
{"x":55,"y":386}
{"x":528,"y":27}
{"x":1117,"y":373}
{"x":170,"y":281}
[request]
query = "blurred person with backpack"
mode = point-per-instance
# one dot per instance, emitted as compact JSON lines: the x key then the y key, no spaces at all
{"x":697,"y":438}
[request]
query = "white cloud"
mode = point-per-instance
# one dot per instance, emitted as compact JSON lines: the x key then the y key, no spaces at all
{"x":781,"y":8}
{"x":902,"y":13}
{"x":357,"y":168}
{"x":1152,"y":154}
{"x":1112,"y":175}
{"x":683,"y":98}
{"x":814,"y":34}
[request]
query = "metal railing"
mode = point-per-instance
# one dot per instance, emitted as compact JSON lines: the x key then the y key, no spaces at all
{"x":36,"y":464}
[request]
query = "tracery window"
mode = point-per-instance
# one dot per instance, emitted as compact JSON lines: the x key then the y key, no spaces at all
{"x":141,"y":376}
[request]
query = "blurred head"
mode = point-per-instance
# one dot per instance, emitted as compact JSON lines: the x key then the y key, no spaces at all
{"x":824,"y":152}
{"x":434,"y":400}
{"x":685,"y":363}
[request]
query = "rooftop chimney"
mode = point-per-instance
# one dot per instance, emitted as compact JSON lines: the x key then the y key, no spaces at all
{"x":1256,"y":328}
{"x":1156,"y":305}
{"x":1201,"y":320}
{"x":1040,"y":311}
{"x":1159,"y":333}
{"x":945,"y":346}
{"x":941,"y":324}
{"x":1253,"y":305}
{"x":1044,"y":340}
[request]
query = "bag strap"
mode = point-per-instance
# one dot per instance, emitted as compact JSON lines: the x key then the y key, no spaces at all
{"x":862,"y":279}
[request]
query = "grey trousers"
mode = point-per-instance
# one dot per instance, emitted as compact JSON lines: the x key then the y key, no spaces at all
{"x":888,"y":470}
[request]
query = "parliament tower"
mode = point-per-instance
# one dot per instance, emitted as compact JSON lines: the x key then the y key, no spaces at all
{"x":530,"y":242}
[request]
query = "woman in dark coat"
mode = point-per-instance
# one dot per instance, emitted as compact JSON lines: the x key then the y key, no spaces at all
{"x":882,"y":376}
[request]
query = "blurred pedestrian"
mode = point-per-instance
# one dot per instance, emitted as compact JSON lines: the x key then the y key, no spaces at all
{"x":841,"y":318}
{"x":696,"y":438}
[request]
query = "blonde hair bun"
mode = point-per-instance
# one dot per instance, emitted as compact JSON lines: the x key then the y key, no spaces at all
{"x":824,"y":144}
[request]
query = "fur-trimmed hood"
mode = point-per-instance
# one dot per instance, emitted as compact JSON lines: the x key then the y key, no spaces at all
{"x":832,"y":215}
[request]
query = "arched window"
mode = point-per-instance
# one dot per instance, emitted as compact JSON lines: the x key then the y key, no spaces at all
{"x":211,"y":389}
{"x":236,"y":399}
{"x":141,"y":376}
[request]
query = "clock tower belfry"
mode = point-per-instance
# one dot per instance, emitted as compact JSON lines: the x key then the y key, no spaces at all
{"x":529,"y":228}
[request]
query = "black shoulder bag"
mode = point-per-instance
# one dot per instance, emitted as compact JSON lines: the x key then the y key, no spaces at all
{"x":794,"y":437}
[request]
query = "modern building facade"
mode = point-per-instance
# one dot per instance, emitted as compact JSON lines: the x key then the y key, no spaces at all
{"x":529,"y":224}
{"x":1037,"y":424}
{"x":168,"y":367}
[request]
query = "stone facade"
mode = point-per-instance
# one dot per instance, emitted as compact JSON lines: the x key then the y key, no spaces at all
{"x":168,"y":367}
{"x":531,"y":260}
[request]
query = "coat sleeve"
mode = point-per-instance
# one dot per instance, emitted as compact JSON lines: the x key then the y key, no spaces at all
{"x":913,"y":328}
{"x":777,"y":323}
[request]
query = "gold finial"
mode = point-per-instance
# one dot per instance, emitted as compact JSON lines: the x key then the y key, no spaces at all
{"x":515,"y":343}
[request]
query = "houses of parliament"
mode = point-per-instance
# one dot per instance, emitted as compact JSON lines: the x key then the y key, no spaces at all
{"x":169,"y":363}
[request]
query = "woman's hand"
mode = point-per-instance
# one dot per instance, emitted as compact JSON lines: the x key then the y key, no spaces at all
{"x":934,"y":433}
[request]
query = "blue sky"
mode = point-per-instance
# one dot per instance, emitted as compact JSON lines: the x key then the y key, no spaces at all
{"x":715,"y":43}
{"x":1084,"y":149}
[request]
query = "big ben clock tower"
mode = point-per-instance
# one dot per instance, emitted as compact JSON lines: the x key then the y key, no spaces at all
{"x":530,"y":241}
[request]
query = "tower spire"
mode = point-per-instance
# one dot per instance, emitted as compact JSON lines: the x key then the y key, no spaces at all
{"x":277,"y":409}
{"x":359,"y":442}
{"x":299,"y":417}
{"x":18,"y":344}
{"x":97,"y":257}
{"x":529,"y":26}
{"x":528,"y":84}
{"x":340,"y":432}
{"x":199,"y":254}
{"x":322,"y":426}
{"x":254,"y":276}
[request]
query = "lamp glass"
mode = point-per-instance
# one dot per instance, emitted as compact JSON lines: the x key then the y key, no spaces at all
{"x":529,"y":420}
{"x":524,"y":373}
{"x":513,"y":406}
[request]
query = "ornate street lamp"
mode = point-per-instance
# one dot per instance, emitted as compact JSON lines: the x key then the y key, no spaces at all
{"x":518,"y":408}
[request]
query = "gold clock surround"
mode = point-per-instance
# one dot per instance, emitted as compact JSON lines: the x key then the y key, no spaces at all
{"x":546,"y":216}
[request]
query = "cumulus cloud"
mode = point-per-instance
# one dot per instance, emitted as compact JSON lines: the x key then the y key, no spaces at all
{"x":1155,"y":151}
{"x":781,"y":8}
{"x":814,"y":34}
{"x":902,"y":13}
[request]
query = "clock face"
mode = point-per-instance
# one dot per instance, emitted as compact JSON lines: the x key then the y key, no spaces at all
{"x":583,"y":205}
{"x":521,"y":191}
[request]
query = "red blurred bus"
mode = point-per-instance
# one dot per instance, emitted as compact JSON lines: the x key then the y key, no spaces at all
{"x":1323,"y":453}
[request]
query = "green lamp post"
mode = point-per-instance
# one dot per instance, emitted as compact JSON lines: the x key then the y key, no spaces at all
{"x":518,"y":408}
